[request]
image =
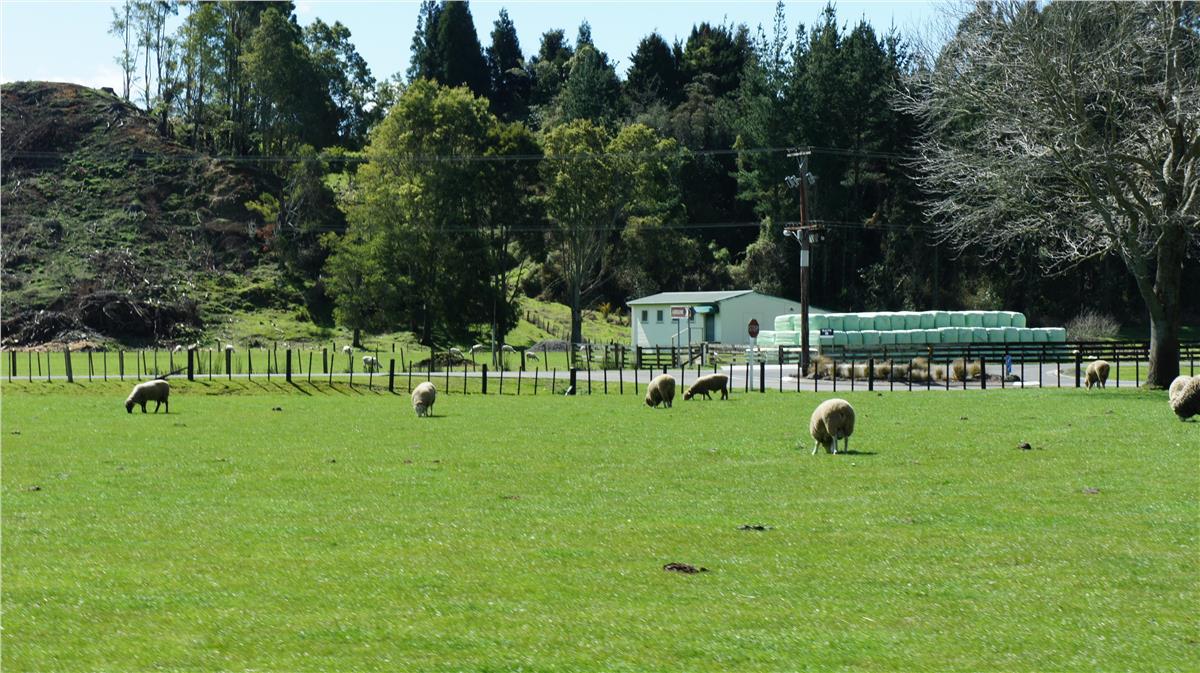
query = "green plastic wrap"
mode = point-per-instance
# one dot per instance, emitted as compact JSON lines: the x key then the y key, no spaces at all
{"x":835,"y":321}
{"x":1056,"y":334}
{"x":928,"y":319}
{"x":941,"y":319}
{"x":883,"y":322}
{"x":1018,"y":320}
{"x":958,"y":319}
{"x":887,"y":338}
{"x":978,"y":335}
{"x":995,"y":335}
{"x":949,"y":335}
{"x":903,"y":337}
{"x":840,"y":338}
{"x":931,"y":336}
{"x":912,"y":320}
{"x":1012,"y":334}
{"x":870,"y":337}
{"x":1025,"y":335}
{"x":973,"y":319}
{"x":850,"y":322}
{"x":854,"y":339}
{"x":816,"y":322}
{"x":991,"y":319}
{"x":783,"y":322}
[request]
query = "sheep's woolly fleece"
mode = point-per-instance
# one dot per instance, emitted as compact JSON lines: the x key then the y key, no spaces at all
{"x":1184,"y":396}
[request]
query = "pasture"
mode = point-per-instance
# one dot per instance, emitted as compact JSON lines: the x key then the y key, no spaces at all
{"x":262,"y":526}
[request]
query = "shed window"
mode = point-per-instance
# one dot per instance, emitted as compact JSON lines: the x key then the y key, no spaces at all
{"x":645,"y":315}
{"x":659,"y":315}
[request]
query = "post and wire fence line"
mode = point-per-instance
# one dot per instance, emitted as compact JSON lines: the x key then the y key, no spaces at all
{"x":587,"y":369}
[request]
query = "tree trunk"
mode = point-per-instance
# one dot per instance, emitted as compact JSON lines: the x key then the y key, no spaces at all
{"x":576,"y":323}
{"x":1165,"y":309}
{"x":357,"y":342}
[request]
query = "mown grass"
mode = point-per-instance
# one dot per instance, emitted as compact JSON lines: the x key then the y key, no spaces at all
{"x":341,"y":533}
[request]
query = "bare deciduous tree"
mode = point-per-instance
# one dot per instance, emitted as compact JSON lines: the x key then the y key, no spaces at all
{"x":1075,"y":125}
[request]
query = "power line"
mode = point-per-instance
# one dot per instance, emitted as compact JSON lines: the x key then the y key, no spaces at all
{"x":140,"y":156}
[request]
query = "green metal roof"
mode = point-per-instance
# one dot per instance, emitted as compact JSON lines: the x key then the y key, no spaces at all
{"x":689,"y":297}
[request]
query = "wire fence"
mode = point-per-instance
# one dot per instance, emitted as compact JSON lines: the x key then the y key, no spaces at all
{"x":612,"y":369}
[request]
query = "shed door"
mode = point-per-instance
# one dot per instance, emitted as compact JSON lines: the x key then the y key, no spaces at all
{"x":710,"y":327}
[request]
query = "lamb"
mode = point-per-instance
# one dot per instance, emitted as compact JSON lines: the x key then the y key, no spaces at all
{"x":1184,"y":396}
{"x":832,"y":420}
{"x":1097,"y":373}
{"x":661,"y":389}
{"x":709,"y":384}
{"x":347,"y":350}
{"x":423,"y":397}
{"x":371,"y":363}
{"x":156,"y":391}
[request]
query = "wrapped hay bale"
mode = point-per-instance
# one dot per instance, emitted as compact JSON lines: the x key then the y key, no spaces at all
{"x":850,"y":322}
{"x":883,"y":321}
{"x":1024,"y":335}
{"x":784,"y":322}
{"x":1011,"y":334}
{"x":816,"y":322}
{"x":973,"y":318}
{"x":840,"y":338}
{"x":854,"y":338}
{"x":835,"y":321}
{"x":991,"y":319}
{"x":979,"y":335}
{"x":903,"y":337}
{"x":1018,"y":319}
{"x":949,"y":335}
{"x":958,"y":319}
{"x":887,"y":338}
{"x":995,"y":335}
{"x":1056,"y":334}
{"x":928,"y":319}
{"x":941,"y":319}
{"x":870,"y":337}
{"x":912,"y":320}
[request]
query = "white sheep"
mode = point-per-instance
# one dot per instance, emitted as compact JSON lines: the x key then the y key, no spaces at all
{"x":455,"y":351}
{"x":194,"y":347}
{"x":347,"y":350}
{"x":156,"y":391}
{"x":370,"y":363}
{"x":1097,"y":373}
{"x":478,"y":348}
{"x":709,"y":384}
{"x":661,"y":390}
{"x":507,"y":349}
{"x":423,"y":397}
{"x":531,"y":356}
{"x":1184,"y":396}
{"x":177,"y":349}
{"x":229,"y":347}
{"x":832,"y":420}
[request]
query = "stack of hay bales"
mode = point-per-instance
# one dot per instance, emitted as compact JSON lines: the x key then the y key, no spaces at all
{"x":905,"y":328}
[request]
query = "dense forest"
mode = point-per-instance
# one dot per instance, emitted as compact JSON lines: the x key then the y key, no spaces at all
{"x":433,"y":199}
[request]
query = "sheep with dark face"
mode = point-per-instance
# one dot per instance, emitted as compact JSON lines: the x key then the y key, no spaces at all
{"x":832,"y":420}
{"x":709,"y":384}
{"x":661,"y":391}
{"x":156,"y":391}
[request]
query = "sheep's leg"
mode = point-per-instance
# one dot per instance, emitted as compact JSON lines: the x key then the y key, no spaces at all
{"x":157,"y":404}
{"x":143,"y":407}
{"x":834,"y":444}
{"x":815,"y":445}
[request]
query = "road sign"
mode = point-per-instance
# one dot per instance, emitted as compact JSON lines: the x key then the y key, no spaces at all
{"x":680,"y":312}
{"x":752,"y":329}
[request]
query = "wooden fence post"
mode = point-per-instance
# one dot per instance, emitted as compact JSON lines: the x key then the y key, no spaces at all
{"x":70,"y":373}
{"x":288,"y":356}
{"x":191,"y":365}
{"x":392,"y":373}
{"x":484,"y":380}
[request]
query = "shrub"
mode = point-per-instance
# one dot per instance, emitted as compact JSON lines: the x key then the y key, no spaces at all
{"x":1091,"y":325}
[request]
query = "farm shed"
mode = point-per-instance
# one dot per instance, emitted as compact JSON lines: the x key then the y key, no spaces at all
{"x":715,"y":317}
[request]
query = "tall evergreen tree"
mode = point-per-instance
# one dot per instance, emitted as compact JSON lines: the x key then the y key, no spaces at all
{"x":550,"y":67}
{"x":349,"y":82}
{"x":422,"y":63}
{"x":720,"y":52}
{"x":511,"y":81}
{"x":653,"y":73}
{"x":458,"y":56}
{"x":592,"y":90}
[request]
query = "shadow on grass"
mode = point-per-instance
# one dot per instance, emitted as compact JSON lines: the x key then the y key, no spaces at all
{"x":852,"y":452}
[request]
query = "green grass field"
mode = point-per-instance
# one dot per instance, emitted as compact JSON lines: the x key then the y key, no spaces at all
{"x":341,"y":533}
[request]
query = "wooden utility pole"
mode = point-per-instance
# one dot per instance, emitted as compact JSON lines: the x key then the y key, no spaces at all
{"x":803,"y":235}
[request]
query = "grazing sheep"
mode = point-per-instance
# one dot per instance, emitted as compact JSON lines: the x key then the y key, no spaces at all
{"x":709,"y":384}
{"x":455,"y":351}
{"x":531,"y":356}
{"x":661,"y":389}
{"x":1184,"y":396}
{"x":371,"y":363}
{"x":832,"y":420}
{"x":423,"y":397}
{"x":156,"y":391}
{"x":478,"y":348}
{"x":347,"y":350}
{"x":194,"y":347}
{"x":177,"y":349}
{"x":507,"y":349}
{"x":1097,"y":373}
